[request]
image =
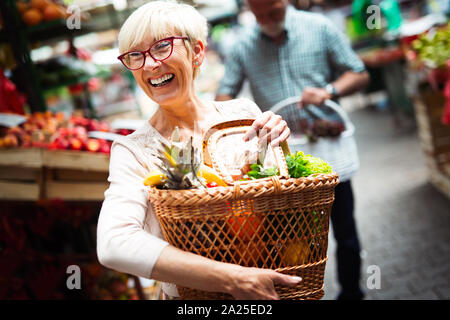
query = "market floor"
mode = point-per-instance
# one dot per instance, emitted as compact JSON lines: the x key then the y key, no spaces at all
{"x":403,"y":221}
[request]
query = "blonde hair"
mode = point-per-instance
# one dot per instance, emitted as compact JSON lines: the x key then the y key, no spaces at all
{"x":160,"y":19}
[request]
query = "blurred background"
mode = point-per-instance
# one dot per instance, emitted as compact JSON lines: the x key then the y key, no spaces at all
{"x":64,"y":97}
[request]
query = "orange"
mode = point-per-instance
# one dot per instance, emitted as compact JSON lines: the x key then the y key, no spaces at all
{"x":21,"y":6}
{"x":39,"y":4}
{"x":32,"y":17}
{"x":53,"y":12}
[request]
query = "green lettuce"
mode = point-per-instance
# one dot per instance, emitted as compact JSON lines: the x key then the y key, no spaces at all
{"x":258,"y":172}
{"x":303,"y":165}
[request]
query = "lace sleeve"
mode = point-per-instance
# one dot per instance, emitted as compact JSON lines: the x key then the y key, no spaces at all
{"x":240,"y":109}
{"x":142,"y":142}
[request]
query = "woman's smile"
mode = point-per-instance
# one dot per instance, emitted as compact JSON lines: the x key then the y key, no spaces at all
{"x":161,"y":81}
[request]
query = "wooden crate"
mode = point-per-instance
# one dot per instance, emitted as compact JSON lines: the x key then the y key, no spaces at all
{"x":77,"y":176}
{"x":32,"y":174}
{"x":21,"y":157}
{"x":76,"y":160}
{"x":21,"y":174}
{"x":434,"y":138}
{"x":439,"y":177}
{"x":434,"y":135}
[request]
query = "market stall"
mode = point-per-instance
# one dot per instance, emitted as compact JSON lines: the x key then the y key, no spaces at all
{"x":53,"y":174}
{"x":54,"y":156}
{"x":381,"y":47}
{"x":429,"y":55}
{"x":35,"y":174}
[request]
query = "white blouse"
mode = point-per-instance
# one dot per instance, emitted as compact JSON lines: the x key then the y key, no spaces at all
{"x":129,"y":237}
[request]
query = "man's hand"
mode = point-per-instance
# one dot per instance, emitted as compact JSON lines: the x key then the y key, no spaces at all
{"x":348,"y":83}
{"x":315,"y":96}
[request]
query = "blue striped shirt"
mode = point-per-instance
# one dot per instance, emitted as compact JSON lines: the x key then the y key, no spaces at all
{"x":313,"y":54}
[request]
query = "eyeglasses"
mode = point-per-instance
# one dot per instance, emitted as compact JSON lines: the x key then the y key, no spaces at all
{"x":159,"y":51}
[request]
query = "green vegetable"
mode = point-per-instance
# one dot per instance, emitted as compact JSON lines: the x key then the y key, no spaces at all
{"x":434,"y":48}
{"x":258,"y":172}
{"x":301,"y":165}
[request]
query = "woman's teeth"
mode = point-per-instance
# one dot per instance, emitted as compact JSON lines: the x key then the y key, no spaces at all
{"x":161,"y":81}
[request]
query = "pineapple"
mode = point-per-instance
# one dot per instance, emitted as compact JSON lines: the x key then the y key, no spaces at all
{"x":180,"y":163}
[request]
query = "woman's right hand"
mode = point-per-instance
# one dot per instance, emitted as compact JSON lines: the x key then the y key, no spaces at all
{"x":258,"y":284}
{"x":190,"y":270}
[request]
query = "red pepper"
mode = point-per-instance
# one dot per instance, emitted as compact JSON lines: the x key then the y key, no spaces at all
{"x":212,"y":184}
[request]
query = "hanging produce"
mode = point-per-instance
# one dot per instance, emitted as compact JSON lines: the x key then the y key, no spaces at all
{"x":35,"y":12}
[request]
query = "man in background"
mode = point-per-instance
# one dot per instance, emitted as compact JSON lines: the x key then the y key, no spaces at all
{"x":291,"y":53}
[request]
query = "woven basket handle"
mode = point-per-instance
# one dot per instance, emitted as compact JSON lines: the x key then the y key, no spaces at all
{"x":223,"y":125}
{"x":215,"y":133}
{"x":349,"y":127}
{"x":276,"y":184}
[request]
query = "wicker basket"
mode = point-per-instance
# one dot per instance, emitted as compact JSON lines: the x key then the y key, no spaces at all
{"x":278,"y":223}
{"x":340,"y":152}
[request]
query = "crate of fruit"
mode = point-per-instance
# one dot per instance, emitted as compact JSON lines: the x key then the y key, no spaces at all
{"x":237,"y":203}
{"x":47,"y":155}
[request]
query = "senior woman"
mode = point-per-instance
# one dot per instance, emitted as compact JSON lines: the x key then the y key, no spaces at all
{"x":163,"y":44}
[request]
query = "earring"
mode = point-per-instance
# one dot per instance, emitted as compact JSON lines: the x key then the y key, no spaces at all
{"x":197,"y":63}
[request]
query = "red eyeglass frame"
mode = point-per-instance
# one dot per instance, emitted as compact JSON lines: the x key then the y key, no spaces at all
{"x":122,"y":56}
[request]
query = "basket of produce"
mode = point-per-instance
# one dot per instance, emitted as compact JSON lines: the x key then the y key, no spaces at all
{"x":325,"y":132}
{"x":237,"y":203}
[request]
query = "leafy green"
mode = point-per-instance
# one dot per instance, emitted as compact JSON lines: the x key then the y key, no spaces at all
{"x":303,"y":165}
{"x":258,"y":172}
{"x":434,"y":48}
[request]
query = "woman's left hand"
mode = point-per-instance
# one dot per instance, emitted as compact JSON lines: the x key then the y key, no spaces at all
{"x":269,"y":128}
